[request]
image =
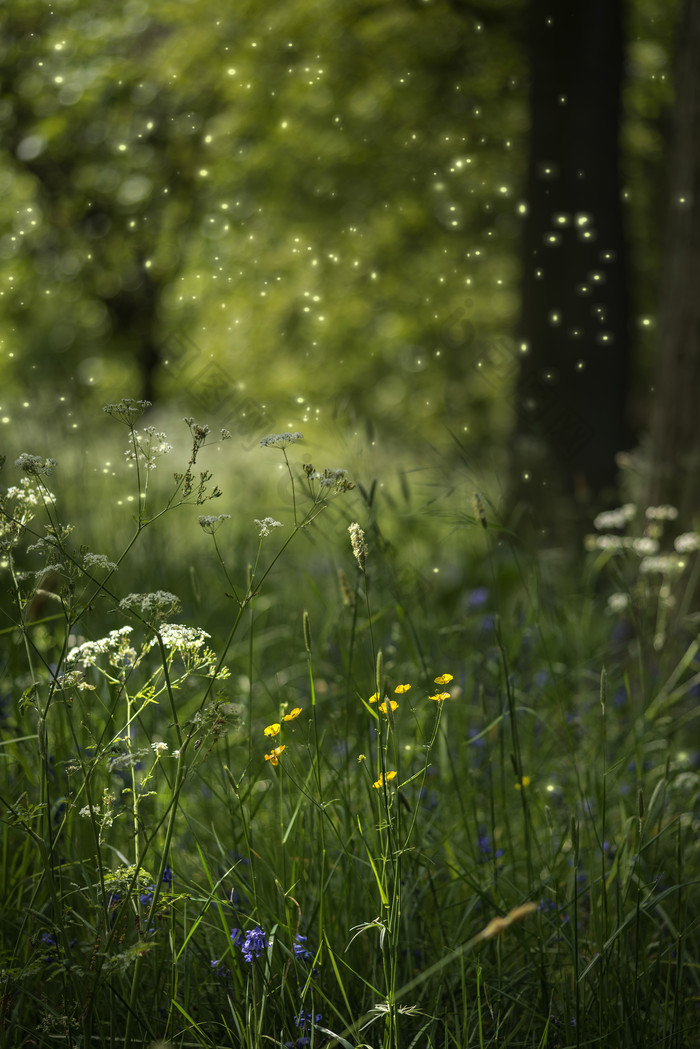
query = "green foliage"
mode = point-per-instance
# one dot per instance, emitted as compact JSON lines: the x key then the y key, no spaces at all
{"x":287,"y":189}
{"x":375,"y":813}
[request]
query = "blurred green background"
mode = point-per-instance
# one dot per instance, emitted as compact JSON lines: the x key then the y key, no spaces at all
{"x":301,"y":216}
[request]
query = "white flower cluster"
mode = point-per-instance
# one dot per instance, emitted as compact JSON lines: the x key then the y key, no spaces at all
{"x":687,"y":542}
{"x":618,"y":518}
{"x":618,"y":602}
{"x":266,"y":525}
{"x":17,"y":506}
{"x":127,"y":410}
{"x":179,"y":638}
{"x":666,"y":564}
{"x":35,"y":464}
{"x":113,"y":645}
{"x":210,"y":522}
{"x":147,"y":447}
{"x":661,"y":513}
{"x":155,"y":607}
{"x":281,"y":440}
{"x":98,"y":561}
{"x":643,"y":545}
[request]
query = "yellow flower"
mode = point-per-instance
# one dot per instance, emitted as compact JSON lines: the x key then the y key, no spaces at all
{"x":391,"y":702}
{"x":380,"y":781}
{"x":292,"y":714}
{"x":525,"y":781}
{"x":444,"y":679}
{"x":374,"y":698}
{"x":272,"y":730}
{"x":361,"y":758}
{"x":402,"y":688}
{"x":440,"y":696}
{"x":274,"y":756}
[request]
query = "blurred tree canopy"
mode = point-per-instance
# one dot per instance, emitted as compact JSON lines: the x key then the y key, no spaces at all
{"x":286,"y":212}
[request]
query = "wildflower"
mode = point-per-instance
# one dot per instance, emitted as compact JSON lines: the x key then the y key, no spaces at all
{"x":444,"y":679}
{"x":281,"y":440}
{"x":307,"y":1019}
{"x":524,"y":782}
{"x":187,"y":640}
{"x":253,"y":944}
{"x":618,"y":602}
{"x":210,"y":522}
{"x":383,"y":779}
{"x":35,"y":464}
{"x":402,"y":688}
{"x":615,"y":518}
{"x":608,"y":542}
{"x":147,"y":446}
{"x":266,"y":525}
{"x":127,"y":410}
{"x":687,"y":542}
{"x":391,"y":703}
{"x":645,"y":546}
{"x":98,"y":561}
{"x":661,"y":513}
{"x":374,"y":698}
{"x":440,"y":696}
{"x":477,"y":598}
{"x":156,"y":607}
{"x":299,"y":949}
{"x":361,"y":758}
{"x":168,"y":875}
{"x":159,"y":747}
{"x":115,"y":645}
{"x":666,"y":564}
{"x":292,"y":714}
{"x":273,"y":730}
{"x":274,"y":756}
{"x":146,"y":897}
{"x":359,"y":546}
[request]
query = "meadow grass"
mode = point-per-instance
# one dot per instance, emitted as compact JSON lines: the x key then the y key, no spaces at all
{"x":341,"y":806}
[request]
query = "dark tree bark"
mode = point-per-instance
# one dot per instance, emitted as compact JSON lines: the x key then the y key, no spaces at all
{"x":574,"y":326}
{"x":675,"y":429}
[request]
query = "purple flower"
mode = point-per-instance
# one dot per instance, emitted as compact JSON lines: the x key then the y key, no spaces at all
{"x":253,"y":943}
{"x":307,"y":1019}
{"x":299,"y":950}
{"x":146,"y":897}
{"x":477,"y":598}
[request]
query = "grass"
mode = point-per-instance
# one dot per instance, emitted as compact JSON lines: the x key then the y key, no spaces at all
{"x":263,"y":837}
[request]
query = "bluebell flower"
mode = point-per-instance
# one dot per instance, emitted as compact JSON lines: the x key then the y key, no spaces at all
{"x":299,"y":950}
{"x":253,"y":944}
{"x":146,"y":897}
{"x":477,"y":598}
{"x":304,"y":1020}
{"x":168,"y":875}
{"x":486,"y":848}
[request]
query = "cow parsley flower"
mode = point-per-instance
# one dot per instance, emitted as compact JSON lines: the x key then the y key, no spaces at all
{"x":281,"y":440}
{"x":266,"y":525}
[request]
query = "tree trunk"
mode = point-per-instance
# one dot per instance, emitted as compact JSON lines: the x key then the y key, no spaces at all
{"x":574,"y":327}
{"x":675,"y":430}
